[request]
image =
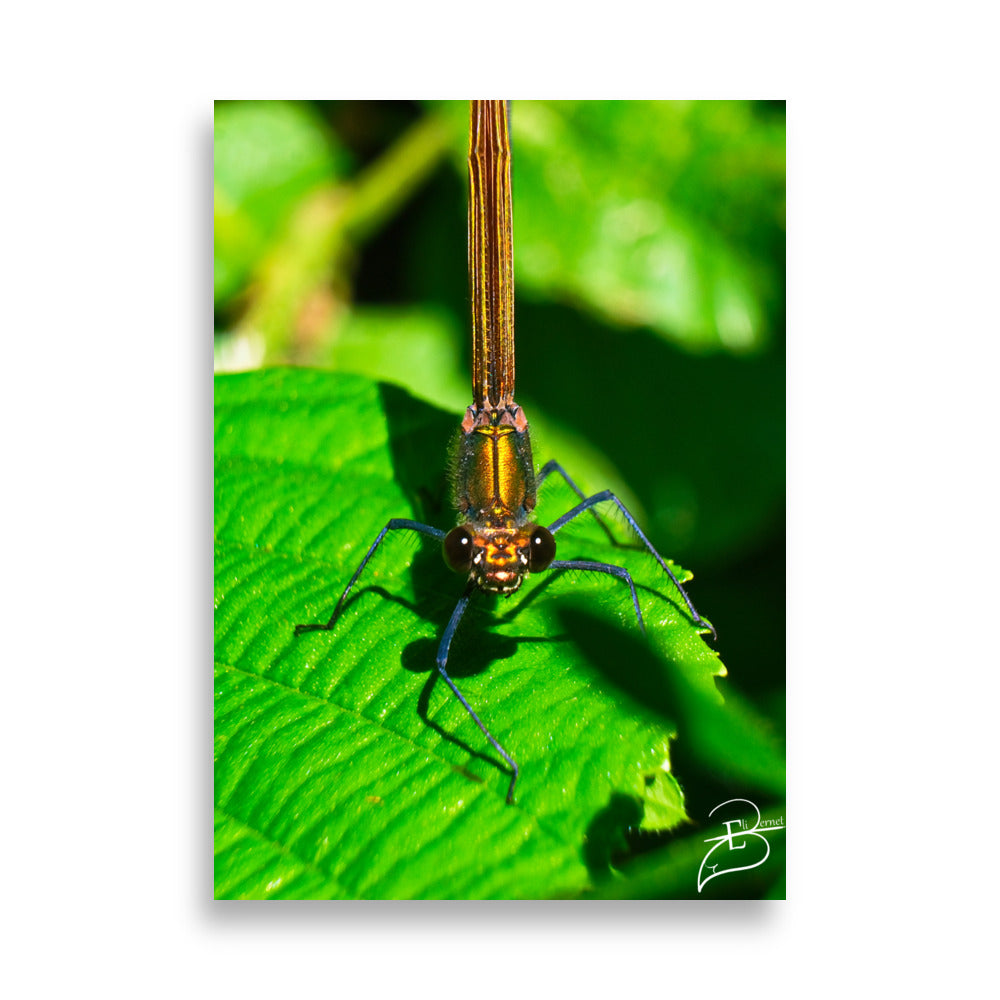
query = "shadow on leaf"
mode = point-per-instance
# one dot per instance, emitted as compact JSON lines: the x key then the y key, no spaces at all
{"x":605,"y":839}
{"x":622,"y":658}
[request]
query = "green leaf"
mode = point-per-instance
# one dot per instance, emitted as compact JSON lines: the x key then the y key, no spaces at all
{"x":415,"y":347}
{"x":342,"y":769}
{"x":658,"y":214}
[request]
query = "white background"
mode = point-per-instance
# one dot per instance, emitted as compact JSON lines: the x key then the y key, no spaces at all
{"x":107,"y":375}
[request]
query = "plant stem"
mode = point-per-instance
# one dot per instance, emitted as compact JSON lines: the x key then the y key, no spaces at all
{"x":313,"y":257}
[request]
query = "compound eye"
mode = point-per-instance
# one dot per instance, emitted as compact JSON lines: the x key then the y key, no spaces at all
{"x":542,"y":549}
{"x":457,"y":549}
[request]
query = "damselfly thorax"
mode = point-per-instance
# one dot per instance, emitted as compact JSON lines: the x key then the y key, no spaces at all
{"x":495,"y":491}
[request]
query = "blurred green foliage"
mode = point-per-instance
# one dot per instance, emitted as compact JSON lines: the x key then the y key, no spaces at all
{"x":646,"y":214}
{"x":649,"y":252}
{"x":663,"y":215}
{"x":268,"y":156}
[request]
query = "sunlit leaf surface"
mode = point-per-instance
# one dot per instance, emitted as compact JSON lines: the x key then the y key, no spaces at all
{"x":342,"y":770}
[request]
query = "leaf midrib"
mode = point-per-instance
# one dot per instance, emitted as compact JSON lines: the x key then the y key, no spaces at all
{"x":482,"y":789}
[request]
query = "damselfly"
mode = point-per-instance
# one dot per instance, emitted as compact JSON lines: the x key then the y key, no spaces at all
{"x":498,"y":542}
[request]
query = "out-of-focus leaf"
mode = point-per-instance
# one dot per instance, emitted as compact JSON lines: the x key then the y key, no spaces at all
{"x":342,"y":769}
{"x":699,"y":439}
{"x":415,"y":347}
{"x":660,"y":214}
{"x":672,"y":872}
{"x":733,"y":741}
{"x":268,"y":155}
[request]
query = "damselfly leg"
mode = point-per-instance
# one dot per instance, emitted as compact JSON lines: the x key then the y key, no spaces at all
{"x":606,"y":495}
{"x":588,"y":566}
{"x":442,"y":662}
{"x":590,"y":503}
{"x":404,"y":524}
{"x":396,"y":524}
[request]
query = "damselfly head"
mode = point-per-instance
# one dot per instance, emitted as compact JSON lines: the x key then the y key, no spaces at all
{"x":498,"y":557}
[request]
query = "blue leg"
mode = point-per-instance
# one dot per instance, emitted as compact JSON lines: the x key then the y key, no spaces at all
{"x":442,"y":660}
{"x":620,"y":571}
{"x":554,"y":466}
{"x":396,"y":524}
{"x":608,"y":495}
